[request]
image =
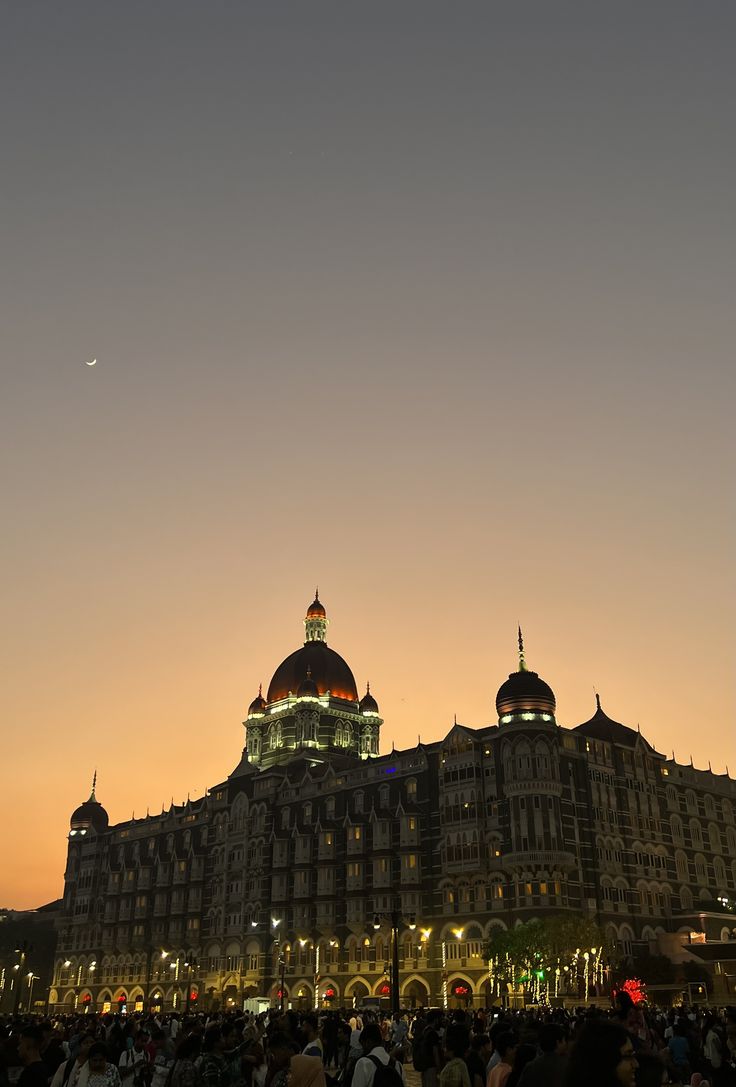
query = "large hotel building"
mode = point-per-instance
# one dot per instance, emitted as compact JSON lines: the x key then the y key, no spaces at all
{"x":288,"y":875}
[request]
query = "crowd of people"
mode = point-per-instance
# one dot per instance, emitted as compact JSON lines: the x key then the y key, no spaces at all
{"x":631,"y":1046}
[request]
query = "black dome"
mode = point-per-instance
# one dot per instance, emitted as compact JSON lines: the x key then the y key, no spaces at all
{"x":525,"y":692}
{"x":368,"y":704}
{"x":90,"y":814}
{"x":258,"y":705}
{"x":329,"y":672}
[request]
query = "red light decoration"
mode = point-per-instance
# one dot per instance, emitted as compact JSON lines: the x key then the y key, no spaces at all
{"x":330,"y":993}
{"x":635,"y":988}
{"x":193,"y":995}
{"x":384,"y":989}
{"x":86,"y":999}
{"x":459,"y":989}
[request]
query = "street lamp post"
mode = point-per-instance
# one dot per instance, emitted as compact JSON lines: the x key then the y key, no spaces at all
{"x":395,"y":919}
{"x":23,"y":952}
{"x":31,"y":978}
{"x":191,"y":966}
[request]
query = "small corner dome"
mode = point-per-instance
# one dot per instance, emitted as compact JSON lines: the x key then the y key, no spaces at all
{"x":307,"y":688}
{"x":92,"y":815}
{"x":368,"y":704}
{"x":258,"y":706}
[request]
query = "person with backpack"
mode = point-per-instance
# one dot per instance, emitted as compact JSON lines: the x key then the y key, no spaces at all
{"x":375,"y":1068}
{"x":75,"y":1071}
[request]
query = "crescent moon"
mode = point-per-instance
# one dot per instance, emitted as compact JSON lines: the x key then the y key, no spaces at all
{"x":92,"y":363}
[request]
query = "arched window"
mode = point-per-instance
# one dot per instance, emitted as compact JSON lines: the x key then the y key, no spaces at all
{"x":701,"y":868}
{"x":676,"y":829}
{"x":719,"y":874}
{"x":681,"y":865}
{"x":383,"y":794}
{"x":714,"y":838}
{"x":285,"y":814}
{"x":710,"y":806}
{"x":411,"y":789}
{"x":731,"y":840}
{"x":358,"y":801}
{"x":696,"y":834}
{"x":330,"y":807}
{"x":727,"y":810}
{"x":686,"y":898}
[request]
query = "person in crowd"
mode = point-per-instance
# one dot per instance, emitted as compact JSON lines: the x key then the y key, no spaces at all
{"x":281,"y":1048}
{"x":134,"y":1064}
{"x":74,"y":1072}
{"x":457,"y":1043}
{"x":184,"y":1072}
{"x":102,"y":1072}
{"x":428,"y":1050}
{"x":548,"y":1069}
{"x":375,"y":1054}
{"x":398,"y":1036}
{"x":477,"y":1059}
{"x":35,"y":1073}
{"x":213,"y":1068}
{"x":310,"y":1035}
{"x":506,"y":1045}
{"x":603,"y":1056}
{"x":525,"y":1054}
{"x":678,"y":1048}
{"x":652,"y":1071}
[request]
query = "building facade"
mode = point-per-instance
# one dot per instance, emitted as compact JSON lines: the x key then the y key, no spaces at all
{"x":288,"y":875}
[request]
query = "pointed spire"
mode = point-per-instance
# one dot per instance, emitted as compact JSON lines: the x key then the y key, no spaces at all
{"x":454,"y":718}
{"x":598,"y":702}
{"x":522,"y":661}
{"x":92,"y":796}
{"x":367,"y":686}
{"x":260,"y":690}
{"x":316,"y":593}
{"x":691,"y":762}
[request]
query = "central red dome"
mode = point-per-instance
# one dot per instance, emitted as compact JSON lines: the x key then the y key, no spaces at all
{"x":327,"y":670}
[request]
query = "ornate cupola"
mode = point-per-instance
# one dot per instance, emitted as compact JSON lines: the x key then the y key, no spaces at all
{"x":524,"y":696}
{"x":315,"y":621}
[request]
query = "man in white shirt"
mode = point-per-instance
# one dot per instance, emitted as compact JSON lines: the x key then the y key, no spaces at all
{"x":373,"y":1049}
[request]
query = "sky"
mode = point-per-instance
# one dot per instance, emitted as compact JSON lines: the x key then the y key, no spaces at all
{"x":429,"y":304}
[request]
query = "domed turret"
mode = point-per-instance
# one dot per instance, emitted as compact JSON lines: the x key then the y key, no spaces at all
{"x":307,"y":688}
{"x":315,"y":621}
{"x":368,"y":704}
{"x":524,"y":695}
{"x":89,"y":816}
{"x":328,"y":671}
{"x":258,"y":706}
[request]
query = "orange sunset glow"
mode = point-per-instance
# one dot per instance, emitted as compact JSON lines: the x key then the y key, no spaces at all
{"x":437,"y":317}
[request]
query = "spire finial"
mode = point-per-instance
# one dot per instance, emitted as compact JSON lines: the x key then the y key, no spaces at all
{"x":316,"y":593}
{"x":367,"y":686}
{"x":522,"y":662}
{"x":94,"y":785}
{"x":598,"y":702}
{"x":454,"y":718}
{"x":260,"y":690}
